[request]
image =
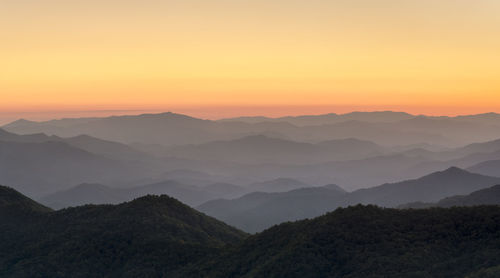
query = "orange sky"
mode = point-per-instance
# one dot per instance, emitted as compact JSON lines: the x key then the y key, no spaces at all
{"x":225,"y":57}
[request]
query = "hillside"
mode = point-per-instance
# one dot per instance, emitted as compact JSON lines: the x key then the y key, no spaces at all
{"x":149,"y":237}
{"x":157,"y":236}
{"x":366,"y":241}
{"x":13,"y":203}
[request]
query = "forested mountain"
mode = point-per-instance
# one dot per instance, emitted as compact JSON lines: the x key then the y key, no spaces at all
{"x":157,"y":236}
{"x":366,"y":241}
{"x":149,"y":237}
{"x":14,"y":204}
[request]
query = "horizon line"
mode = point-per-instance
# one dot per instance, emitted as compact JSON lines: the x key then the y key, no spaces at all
{"x":128,"y":112}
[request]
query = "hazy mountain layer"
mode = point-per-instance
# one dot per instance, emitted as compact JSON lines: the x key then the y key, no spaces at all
{"x":387,"y":128}
{"x":257,"y":211}
{"x":100,"y":194}
{"x":488,"y":196}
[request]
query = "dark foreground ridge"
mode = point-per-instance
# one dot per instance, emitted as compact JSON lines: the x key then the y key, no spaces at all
{"x":161,"y":237}
{"x":152,"y":236}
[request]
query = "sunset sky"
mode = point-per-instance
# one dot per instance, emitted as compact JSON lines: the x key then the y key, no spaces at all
{"x":222,"y":58}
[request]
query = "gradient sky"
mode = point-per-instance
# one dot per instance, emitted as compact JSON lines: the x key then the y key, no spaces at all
{"x":226,"y":57}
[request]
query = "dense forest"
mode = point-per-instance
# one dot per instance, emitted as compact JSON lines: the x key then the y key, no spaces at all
{"x":157,"y":236}
{"x":152,"y":236}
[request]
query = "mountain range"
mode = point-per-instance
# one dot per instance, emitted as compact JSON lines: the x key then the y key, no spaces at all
{"x":255,"y":212}
{"x":158,"y":236}
{"x":390,"y":128}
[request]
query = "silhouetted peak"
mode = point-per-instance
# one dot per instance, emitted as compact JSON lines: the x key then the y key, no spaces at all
{"x":454,"y":170}
{"x":334,"y":187}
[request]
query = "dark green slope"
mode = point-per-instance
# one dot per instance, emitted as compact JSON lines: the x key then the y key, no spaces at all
{"x":14,"y":204}
{"x":367,"y":241}
{"x":149,"y":237}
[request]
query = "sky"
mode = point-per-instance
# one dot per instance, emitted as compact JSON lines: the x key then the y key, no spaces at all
{"x":224,"y":58}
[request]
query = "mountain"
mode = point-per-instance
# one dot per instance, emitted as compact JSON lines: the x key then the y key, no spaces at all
{"x":488,"y":196}
{"x":39,"y":168}
{"x":250,"y":149}
{"x":225,"y":190}
{"x":385,"y":128}
{"x":483,"y":147}
{"x":491,"y":168}
{"x":264,"y":149}
{"x":157,"y":236}
{"x":13,"y":203}
{"x":430,"y":188}
{"x":331,"y":118}
{"x":153,"y":236}
{"x":277,"y":185}
{"x":145,"y":128}
{"x":83,"y":194}
{"x":366,"y":241}
{"x":257,"y":211}
{"x":100,"y":194}
{"x":90,"y":144}
{"x":485,"y":118}
{"x":334,"y":187}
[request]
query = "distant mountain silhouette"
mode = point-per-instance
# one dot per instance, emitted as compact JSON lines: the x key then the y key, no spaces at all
{"x":100,"y":194}
{"x":488,"y":196}
{"x":264,"y":149}
{"x":83,"y":194}
{"x":392,"y":128}
{"x":145,"y":128}
{"x":331,"y":118}
{"x":93,"y":145}
{"x":37,"y":168}
{"x":257,"y":211}
{"x":485,"y":118}
{"x":334,"y":187}
{"x":278,"y":185}
{"x":150,"y":236}
{"x":433,"y":187}
{"x":491,"y":168}
{"x":254,"y":212}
